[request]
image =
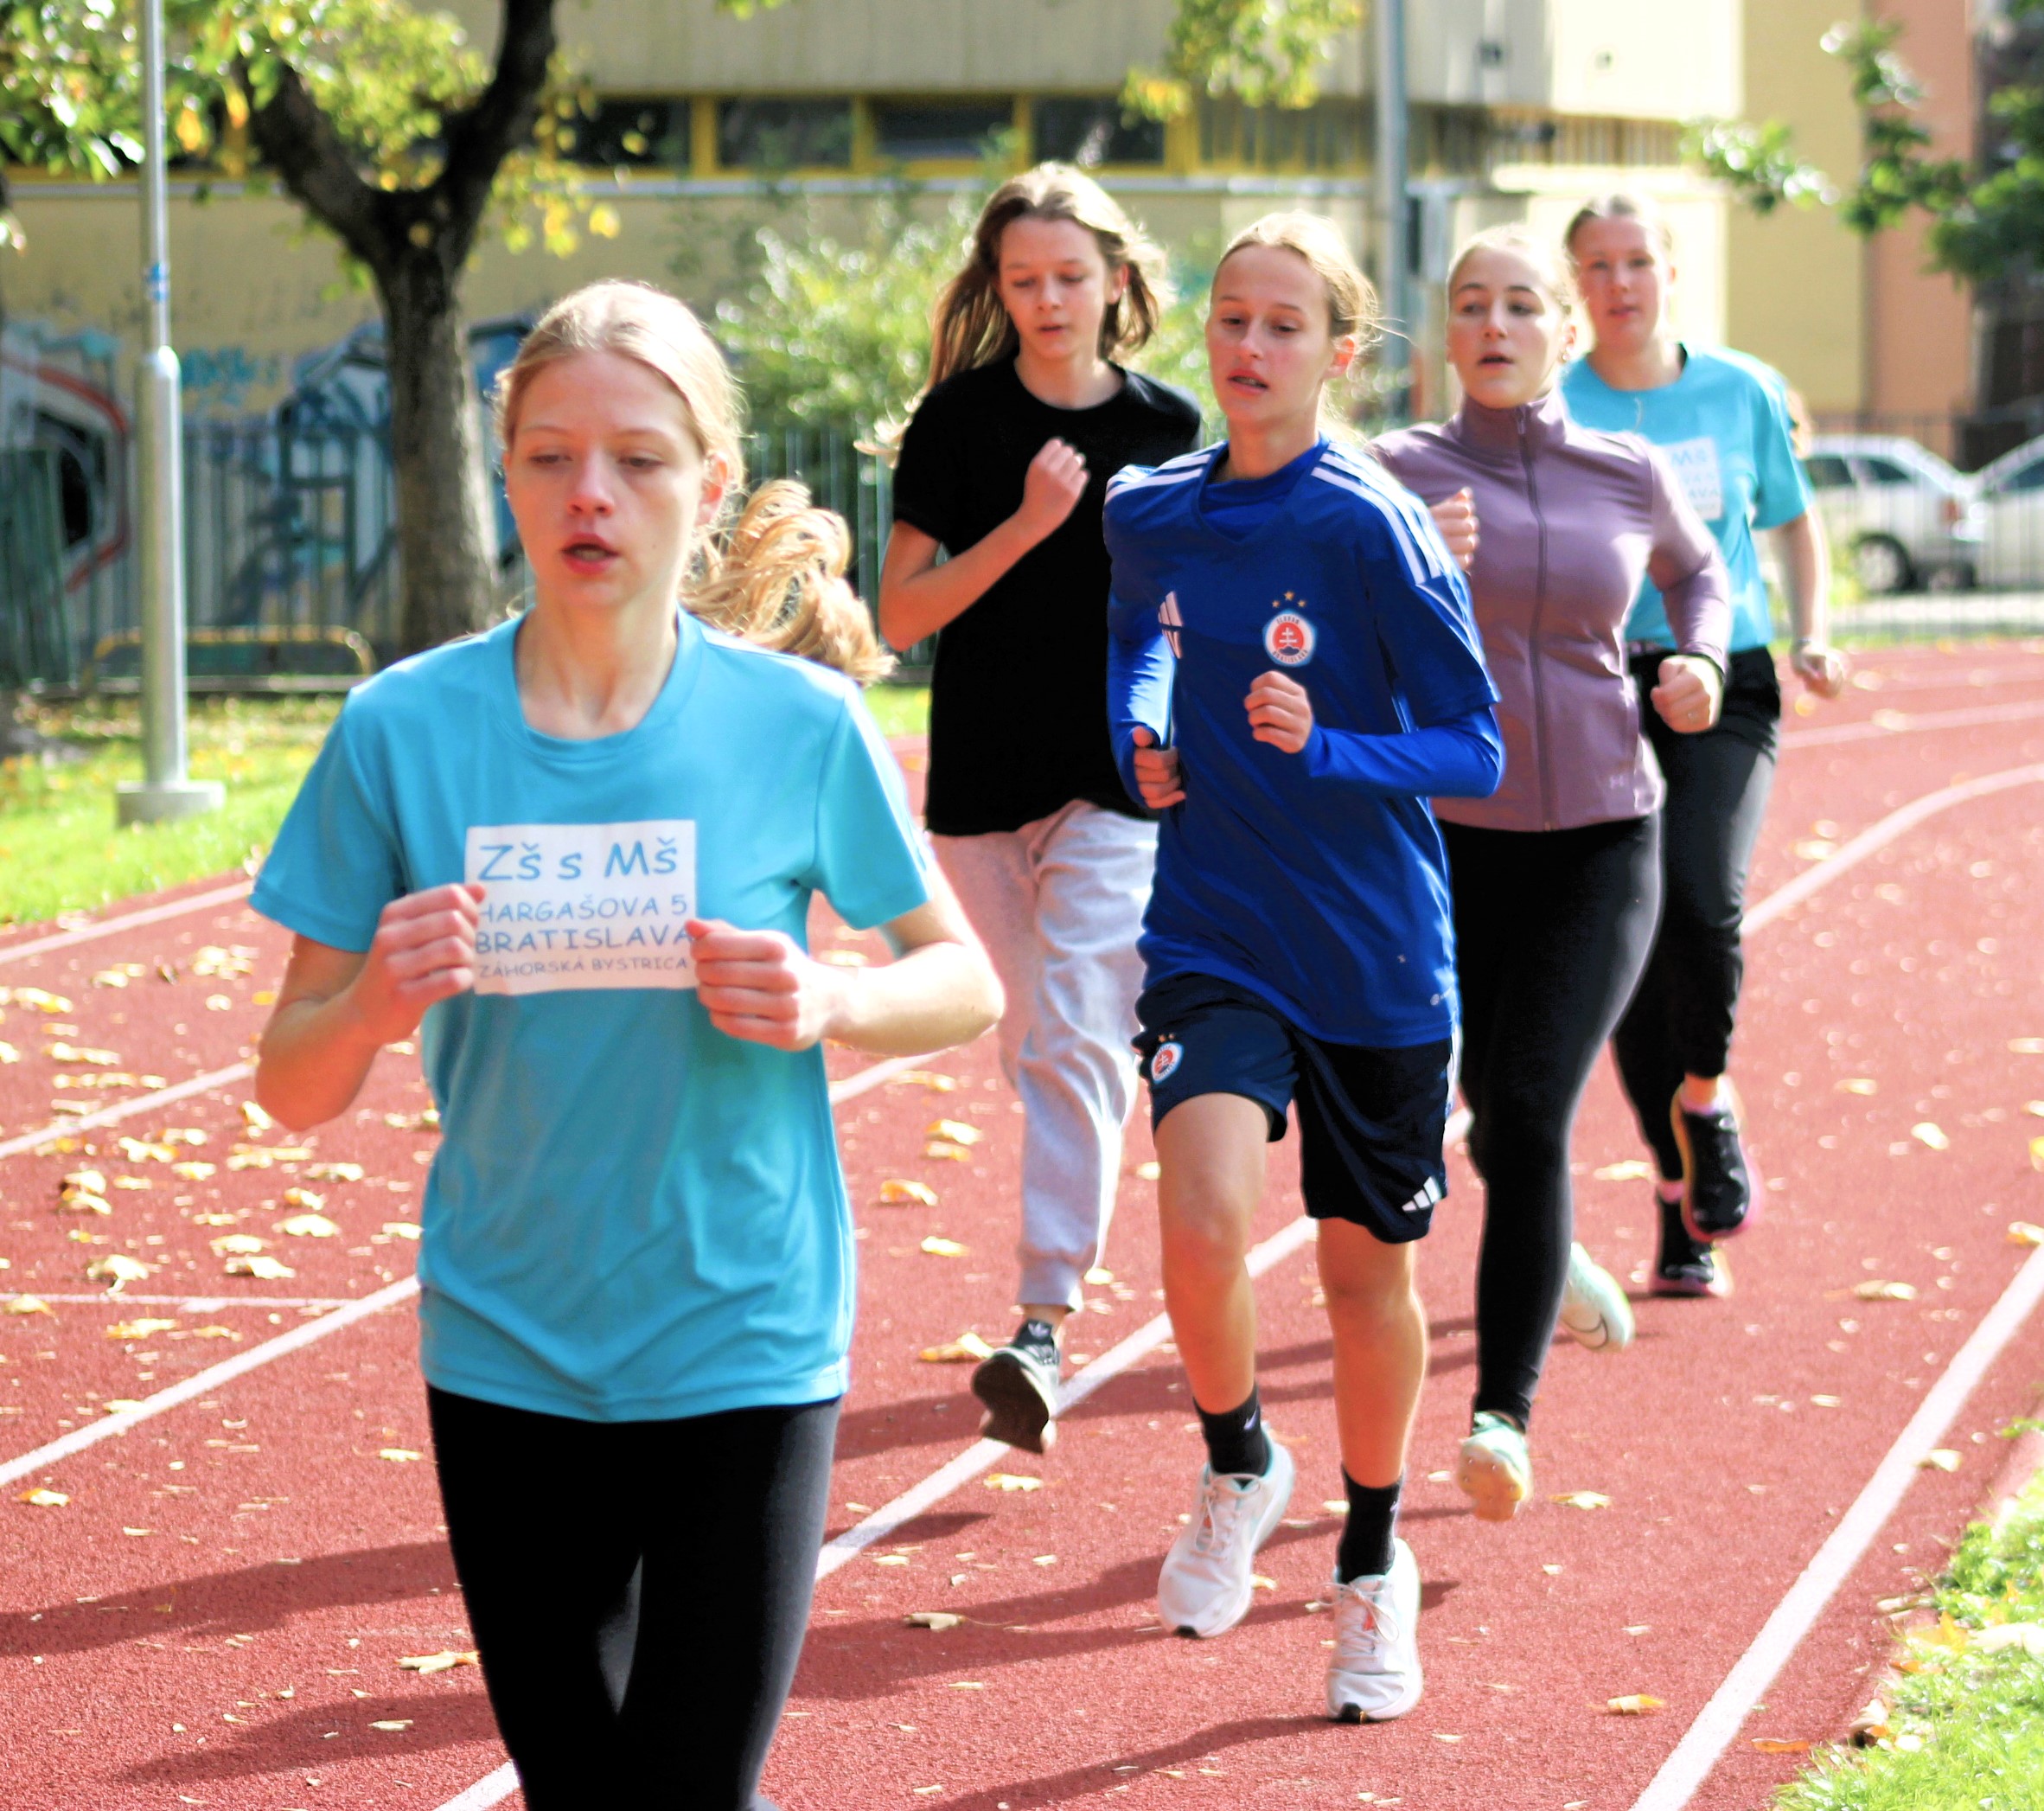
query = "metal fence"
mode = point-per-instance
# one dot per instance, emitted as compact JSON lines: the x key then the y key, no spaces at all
{"x":290,"y":546}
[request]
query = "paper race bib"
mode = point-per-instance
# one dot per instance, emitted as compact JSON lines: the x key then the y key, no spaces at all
{"x":1697,"y":471}
{"x":583,"y":906}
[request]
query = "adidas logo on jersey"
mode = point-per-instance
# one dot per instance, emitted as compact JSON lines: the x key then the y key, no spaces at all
{"x":1429,"y":1194}
{"x":1171,"y":621}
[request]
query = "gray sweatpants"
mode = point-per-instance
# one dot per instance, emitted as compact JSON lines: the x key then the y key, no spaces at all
{"x":1059,"y":905}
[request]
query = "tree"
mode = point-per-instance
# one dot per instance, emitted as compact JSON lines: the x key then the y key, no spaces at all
{"x":1986,"y":219}
{"x":396,"y":138}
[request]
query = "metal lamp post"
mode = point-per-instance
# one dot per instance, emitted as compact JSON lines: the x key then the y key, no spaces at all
{"x":1394,"y":267}
{"x":166,"y":793}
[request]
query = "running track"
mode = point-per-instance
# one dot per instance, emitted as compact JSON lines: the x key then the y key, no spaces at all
{"x":241,"y":1648}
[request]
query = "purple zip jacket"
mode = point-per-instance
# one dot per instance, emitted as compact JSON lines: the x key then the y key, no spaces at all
{"x":1568,"y":521}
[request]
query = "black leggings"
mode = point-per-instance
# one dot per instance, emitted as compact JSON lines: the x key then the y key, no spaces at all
{"x":1551,"y":930}
{"x":1680,"y":1022}
{"x":638,"y":1590}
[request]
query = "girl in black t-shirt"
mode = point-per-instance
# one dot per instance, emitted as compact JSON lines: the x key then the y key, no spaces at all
{"x":1005,"y":468}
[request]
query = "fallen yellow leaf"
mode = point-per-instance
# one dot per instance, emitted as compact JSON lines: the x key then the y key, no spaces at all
{"x":133,"y":1182}
{"x":2037,"y":1153}
{"x":946,"y":1152}
{"x":1775,"y":1745}
{"x":8,"y":1053}
{"x":1582,"y":1499}
{"x":1099,"y":1277}
{"x":398,"y":1454}
{"x":1630,"y":1170}
{"x":1636,"y":1703}
{"x":308,"y":1226}
{"x":81,"y":1053}
{"x":239,"y":1244}
{"x":2021,"y":1047}
{"x":1926,"y":1132}
{"x":336,"y":1173}
{"x":932,"y":1619}
{"x":1872,"y":1291}
{"x":215,"y":1333}
{"x":255,"y":1118}
{"x":444,"y":1662}
{"x":26,"y":1305}
{"x":76,"y":1200}
{"x":264,"y":1269}
{"x":195,"y":1170}
{"x":2028,"y":1636}
{"x":403,"y":1229}
{"x":2025,"y":1232}
{"x":942,"y":1247}
{"x":138,"y":1329}
{"x":394,"y":1724}
{"x":1149,"y":1172}
{"x":1815,"y":849}
{"x":892,"y":1559}
{"x":895,"y":1190}
{"x":1940,"y":1458}
{"x":1859,"y":1085}
{"x":83,"y":1181}
{"x":1044,"y":1559}
{"x":929,"y":1078}
{"x":119,"y":1404}
{"x":955,"y":1129}
{"x":116,"y":1269}
{"x":1258,"y":1581}
{"x":967,"y":1348}
{"x":1013,"y":1481}
{"x":43,"y":1499}
{"x":304,"y":1198}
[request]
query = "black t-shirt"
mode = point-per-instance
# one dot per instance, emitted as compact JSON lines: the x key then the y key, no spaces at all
{"x":1018,"y":703}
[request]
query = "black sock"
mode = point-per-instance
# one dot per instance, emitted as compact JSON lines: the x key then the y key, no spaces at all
{"x":1040,"y":1337}
{"x":1235,"y":1442}
{"x":1365,"y":1549}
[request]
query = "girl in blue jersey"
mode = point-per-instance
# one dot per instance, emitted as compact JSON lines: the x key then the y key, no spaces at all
{"x":583,"y":846}
{"x":1294,"y":672}
{"x":1723,"y":420}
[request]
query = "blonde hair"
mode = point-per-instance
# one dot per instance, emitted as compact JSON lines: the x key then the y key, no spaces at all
{"x":969,"y":327}
{"x":774,"y":577}
{"x":1351,"y":302}
{"x":1556,"y":268}
{"x":1621,"y":206}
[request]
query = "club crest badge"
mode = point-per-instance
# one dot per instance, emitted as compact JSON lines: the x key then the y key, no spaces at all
{"x":1288,"y":639}
{"x":1164,"y":1061}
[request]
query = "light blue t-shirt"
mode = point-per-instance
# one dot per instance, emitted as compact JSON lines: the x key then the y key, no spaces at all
{"x":1724,"y":424}
{"x":631,"y":1215}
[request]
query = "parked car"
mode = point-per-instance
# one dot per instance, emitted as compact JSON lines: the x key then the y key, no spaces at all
{"x":2010,"y":500}
{"x":1899,"y":516}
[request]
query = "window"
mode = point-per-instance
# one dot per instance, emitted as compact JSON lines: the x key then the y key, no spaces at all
{"x":1326,"y":136}
{"x":1886,"y":471}
{"x":784,"y":134}
{"x":950,"y":131}
{"x":1828,"y":472}
{"x":1090,"y":130}
{"x":627,"y":131}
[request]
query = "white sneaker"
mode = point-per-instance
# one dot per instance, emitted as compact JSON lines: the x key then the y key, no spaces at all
{"x":1374,"y":1673}
{"x":1593,"y":1308}
{"x":1205,"y":1588}
{"x":1495,"y":1468}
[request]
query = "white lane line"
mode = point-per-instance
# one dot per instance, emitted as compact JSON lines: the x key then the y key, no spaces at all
{"x":1719,"y":1722}
{"x":496,"y":1787}
{"x":1878,"y":835}
{"x":345,"y":1314}
{"x":202,"y":1381}
{"x":127,"y":921}
{"x":1902,"y":723}
{"x":127,"y":1109}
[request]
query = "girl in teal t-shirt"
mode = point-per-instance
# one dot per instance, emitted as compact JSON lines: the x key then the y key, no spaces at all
{"x":583,"y":846}
{"x":1724,"y":422}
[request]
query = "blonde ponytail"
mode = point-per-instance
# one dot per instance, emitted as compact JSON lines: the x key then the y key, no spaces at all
{"x":778,"y":582}
{"x":777,"y":577}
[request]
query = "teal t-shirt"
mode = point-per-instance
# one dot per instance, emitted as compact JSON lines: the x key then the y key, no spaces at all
{"x":631,"y":1215}
{"x":1724,"y":424}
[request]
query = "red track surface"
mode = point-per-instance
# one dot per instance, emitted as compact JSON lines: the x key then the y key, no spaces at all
{"x":287,"y":1567}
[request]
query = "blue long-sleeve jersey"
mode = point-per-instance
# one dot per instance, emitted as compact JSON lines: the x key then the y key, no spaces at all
{"x":1318,"y":881}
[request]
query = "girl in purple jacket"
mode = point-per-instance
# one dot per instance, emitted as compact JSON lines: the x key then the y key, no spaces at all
{"x":1556,"y":877}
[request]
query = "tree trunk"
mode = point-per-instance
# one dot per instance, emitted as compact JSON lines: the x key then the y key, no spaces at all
{"x":446,"y":537}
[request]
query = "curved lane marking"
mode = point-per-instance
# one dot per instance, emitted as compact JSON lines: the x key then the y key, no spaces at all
{"x":1902,"y":723}
{"x":127,"y":921}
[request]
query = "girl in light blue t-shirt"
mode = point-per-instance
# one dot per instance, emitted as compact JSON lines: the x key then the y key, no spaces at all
{"x":583,"y":846}
{"x":1724,"y":421}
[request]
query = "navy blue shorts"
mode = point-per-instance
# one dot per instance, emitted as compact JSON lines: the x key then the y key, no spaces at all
{"x":1371,"y":1122}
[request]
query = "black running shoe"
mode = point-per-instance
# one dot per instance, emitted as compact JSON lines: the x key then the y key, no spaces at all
{"x":1718,"y":1197}
{"x":1018,"y":1384}
{"x":1686,"y":1266}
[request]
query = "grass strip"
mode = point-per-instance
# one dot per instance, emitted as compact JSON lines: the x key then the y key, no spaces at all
{"x":60,"y":850}
{"x":1965,"y":1727}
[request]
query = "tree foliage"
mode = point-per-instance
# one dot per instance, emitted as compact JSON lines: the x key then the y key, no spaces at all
{"x":1986,"y":217}
{"x":1266,"y":52}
